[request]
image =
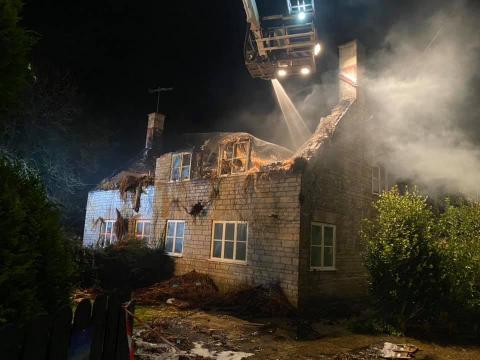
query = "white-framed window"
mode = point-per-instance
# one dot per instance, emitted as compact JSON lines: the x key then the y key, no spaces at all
{"x":174,"y":237}
{"x":379,"y":179}
{"x":143,"y":230}
{"x":322,"y":246}
{"x":107,"y":234}
{"x":234,"y":157}
{"x":181,"y":164}
{"x":229,"y":241}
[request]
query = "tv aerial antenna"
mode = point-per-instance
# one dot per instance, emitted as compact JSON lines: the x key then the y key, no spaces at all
{"x":157,"y":91}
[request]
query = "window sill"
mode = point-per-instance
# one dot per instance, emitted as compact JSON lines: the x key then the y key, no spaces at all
{"x":178,"y":181}
{"x":235,"y":174}
{"x":228,"y":261}
{"x":174,"y":254}
{"x":323,"y":269}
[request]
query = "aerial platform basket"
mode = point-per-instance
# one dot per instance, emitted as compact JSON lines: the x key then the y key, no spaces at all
{"x":282,"y":45}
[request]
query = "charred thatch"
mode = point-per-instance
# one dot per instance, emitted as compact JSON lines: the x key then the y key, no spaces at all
{"x":121,"y":227}
{"x":135,"y":184}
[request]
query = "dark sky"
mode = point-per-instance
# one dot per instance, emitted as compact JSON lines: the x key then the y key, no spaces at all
{"x":116,"y":50}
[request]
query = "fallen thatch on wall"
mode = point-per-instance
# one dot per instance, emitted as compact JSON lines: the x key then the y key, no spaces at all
{"x":121,"y":227}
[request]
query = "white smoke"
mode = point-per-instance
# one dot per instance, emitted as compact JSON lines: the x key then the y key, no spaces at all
{"x":421,"y":87}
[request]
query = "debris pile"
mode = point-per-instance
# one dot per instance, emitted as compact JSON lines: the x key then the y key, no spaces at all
{"x":81,"y":294}
{"x":261,"y":301}
{"x":190,"y":290}
{"x":386,"y":350}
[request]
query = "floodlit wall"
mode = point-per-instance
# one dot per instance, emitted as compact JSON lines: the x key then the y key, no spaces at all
{"x":269,"y":202}
{"x":337,"y":190}
{"x":104,"y":203}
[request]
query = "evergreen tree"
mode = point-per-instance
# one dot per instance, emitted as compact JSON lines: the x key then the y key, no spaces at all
{"x":35,"y":262}
{"x":15,"y":44}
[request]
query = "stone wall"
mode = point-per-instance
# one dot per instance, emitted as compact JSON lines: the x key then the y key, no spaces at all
{"x":336,"y":189}
{"x":268,"y":202}
{"x":104,"y":203}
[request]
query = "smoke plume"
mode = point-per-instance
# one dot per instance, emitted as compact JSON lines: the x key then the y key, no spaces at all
{"x":425,"y":105}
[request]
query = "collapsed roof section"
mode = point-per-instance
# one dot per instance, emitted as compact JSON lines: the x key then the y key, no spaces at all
{"x":221,"y":153}
{"x":324,"y":130}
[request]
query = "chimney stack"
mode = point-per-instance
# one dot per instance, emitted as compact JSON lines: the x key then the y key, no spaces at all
{"x":348,"y":70}
{"x":156,"y":123}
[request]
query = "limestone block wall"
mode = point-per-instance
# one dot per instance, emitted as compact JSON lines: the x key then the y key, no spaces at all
{"x":336,"y":190}
{"x":268,"y":202}
{"x":103,"y":203}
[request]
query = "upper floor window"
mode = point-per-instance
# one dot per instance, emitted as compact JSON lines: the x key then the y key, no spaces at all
{"x":234,"y":157}
{"x":229,"y":240}
{"x":322,"y":246}
{"x":107,"y":234}
{"x":379,"y":179}
{"x":143,"y":230}
{"x":174,"y":237}
{"x":181,"y":163}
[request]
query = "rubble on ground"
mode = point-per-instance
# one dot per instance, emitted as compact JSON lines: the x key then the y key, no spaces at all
{"x":81,"y":294}
{"x":260,"y":301}
{"x":190,"y":290}
{"x":385,"y":350}
{"x":195,"y":290}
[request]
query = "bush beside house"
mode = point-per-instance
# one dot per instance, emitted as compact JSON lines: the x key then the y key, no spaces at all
{"x":123,"y":267}
{"x":422,"y":266}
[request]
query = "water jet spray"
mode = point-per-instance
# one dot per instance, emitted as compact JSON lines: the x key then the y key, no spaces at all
{"x":297,"y":128}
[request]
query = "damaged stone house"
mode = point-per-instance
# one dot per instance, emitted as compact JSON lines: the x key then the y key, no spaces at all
{"x":248,"y":212}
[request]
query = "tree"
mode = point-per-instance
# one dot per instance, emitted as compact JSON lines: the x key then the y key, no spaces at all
{"x":402,"y":258}
{"x":36,"y":265}
{"x":49,"y":132}
{"x":15,"y":45}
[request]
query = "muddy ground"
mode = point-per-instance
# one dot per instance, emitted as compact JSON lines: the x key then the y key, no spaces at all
{"x":198,"y":334}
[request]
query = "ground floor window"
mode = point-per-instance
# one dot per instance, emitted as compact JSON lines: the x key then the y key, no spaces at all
{"x":143,"y":230}
{"x":174,"y":237}
{"x":107,"y":233}
{"x":322,"y":246}
{"x":229,"y":240}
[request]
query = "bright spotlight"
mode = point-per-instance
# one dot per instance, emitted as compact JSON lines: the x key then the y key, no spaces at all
{"x":301,"y":15}
{"x":282,"y":72}
{"x":305,"y":71}
{"x":317,"y":49}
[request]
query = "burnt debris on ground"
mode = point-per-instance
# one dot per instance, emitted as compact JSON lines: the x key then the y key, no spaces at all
{"x":188,"y":291}
{"x":195,"y":290}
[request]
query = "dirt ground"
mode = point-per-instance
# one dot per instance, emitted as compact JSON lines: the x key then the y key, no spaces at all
{"x":199,"y":334}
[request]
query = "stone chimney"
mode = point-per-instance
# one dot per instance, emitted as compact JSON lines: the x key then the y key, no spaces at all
{"x":348,"y":70}
{"x":155,"y":126}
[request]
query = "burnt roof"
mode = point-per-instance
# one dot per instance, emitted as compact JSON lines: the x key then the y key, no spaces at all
{"x":144,"y":163}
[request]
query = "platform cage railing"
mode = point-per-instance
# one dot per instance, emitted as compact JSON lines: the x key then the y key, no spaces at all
{"x":296,"y":7}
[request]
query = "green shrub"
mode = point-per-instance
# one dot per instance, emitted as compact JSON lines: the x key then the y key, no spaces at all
{"x":402,"y":259}
{"x":459,"y":232}
{"x":124,"y":267}
{"x":35,"y":260}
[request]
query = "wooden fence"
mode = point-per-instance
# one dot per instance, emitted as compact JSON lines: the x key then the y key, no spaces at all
{"x":97,"y":332}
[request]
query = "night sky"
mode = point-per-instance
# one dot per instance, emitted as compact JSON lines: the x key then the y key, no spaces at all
{"x":115,"y":50}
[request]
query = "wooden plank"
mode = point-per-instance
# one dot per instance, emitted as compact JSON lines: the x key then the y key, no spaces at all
{"x":81,"y":336}
{"x":83,"y":315}
{"x":99,"y":318}
{"x":110,"y":344}
{"x":60,"y":334}
{"x":11,"y":342}
{"x":36,"y":339}
{"x":122,"y":342}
